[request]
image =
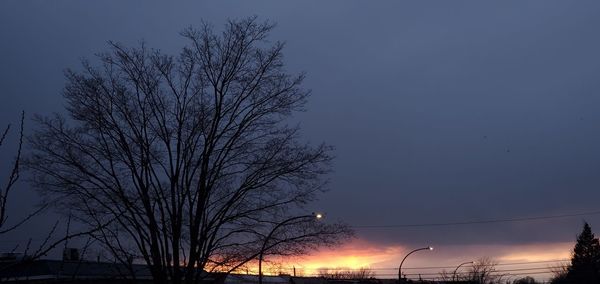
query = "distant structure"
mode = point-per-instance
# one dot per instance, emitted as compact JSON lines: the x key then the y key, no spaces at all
{"x":71,"y":254}
{"x":14,"y":268}
{"x":61,"y":271}
{"x":86,"y":272}
{"x":11,"y":257}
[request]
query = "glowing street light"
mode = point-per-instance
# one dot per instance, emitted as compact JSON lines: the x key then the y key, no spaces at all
{"x":455,"y":270}
{"x":400,"y":268}
{"x":314,"y":216}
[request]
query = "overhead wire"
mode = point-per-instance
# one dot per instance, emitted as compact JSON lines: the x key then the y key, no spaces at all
{"x":473,"y":222}
{"x":381,"y":271}
{"x":448,"y":267}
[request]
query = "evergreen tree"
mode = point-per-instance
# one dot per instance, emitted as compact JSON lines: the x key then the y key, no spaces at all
{"x":585,"y":263}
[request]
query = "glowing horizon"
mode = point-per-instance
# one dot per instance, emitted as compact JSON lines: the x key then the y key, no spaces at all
{"x":383,"y":260}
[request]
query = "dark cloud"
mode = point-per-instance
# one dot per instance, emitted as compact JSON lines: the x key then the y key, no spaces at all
{"x":439,"y":111}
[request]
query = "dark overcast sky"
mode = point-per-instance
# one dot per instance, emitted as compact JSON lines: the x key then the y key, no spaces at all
{"x":440,"y":111}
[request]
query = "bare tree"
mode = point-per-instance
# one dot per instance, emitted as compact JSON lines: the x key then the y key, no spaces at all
{"x":11,"y":180}
{"x":187,"y":158}
{"x":483,"y":271}
{"x":347,"y":274}
{"x":447,"y":276}
{"x":25,"y":248}
{"x":5,"y":192}
{"x":559,"y":274}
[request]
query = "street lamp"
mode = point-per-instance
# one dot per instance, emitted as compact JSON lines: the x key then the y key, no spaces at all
{"x":314,"y":216}
{"x":455,"y":270}
{"x":400,"y":268}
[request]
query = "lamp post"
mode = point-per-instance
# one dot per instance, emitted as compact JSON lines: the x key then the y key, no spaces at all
{"x":315,"y":216}
{"x":455,"y":270}
{"x":400,"y":268}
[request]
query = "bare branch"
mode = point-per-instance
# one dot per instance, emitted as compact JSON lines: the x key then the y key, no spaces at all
{"x":190,"y":156}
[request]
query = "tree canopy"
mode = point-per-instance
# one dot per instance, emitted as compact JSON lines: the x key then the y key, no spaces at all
{"x":187,"y":162}
{"x":585,"y":263}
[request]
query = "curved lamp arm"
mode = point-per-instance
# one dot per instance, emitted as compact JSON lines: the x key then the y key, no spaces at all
{"x":400,"y":268}
{"x":455,"y":270}
{"x":316,"y":216}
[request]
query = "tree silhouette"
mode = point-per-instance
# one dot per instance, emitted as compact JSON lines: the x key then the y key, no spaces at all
{"x":7,"y":186}
{"x":185,"y":162}
{"x":526,"y":280}
{"x":7,"y":225}
{"x":362,"y":273}
{"x":585,"y":263}
{"x":559,"y":274}
{"x":483,"y":271}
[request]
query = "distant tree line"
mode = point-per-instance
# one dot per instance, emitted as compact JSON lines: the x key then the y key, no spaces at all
{"x":347,"y":274}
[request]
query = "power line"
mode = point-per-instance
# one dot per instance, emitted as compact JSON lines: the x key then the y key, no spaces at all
{"x":497,"y":272}
{"x":447,"y":267}
{"x":493,"y":274}
{"x":489,"y":221}
{"x":441,"y":267}
{"x":547,"y":269}
{"x":529,"y":262}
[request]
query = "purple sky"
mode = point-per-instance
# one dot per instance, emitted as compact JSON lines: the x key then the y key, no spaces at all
{"x":440,"y":111}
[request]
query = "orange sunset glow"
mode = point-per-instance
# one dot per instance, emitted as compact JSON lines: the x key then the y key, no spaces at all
{"x":300,"y":142}
{"x":384,"y":259}
{"x":354,"y":255}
